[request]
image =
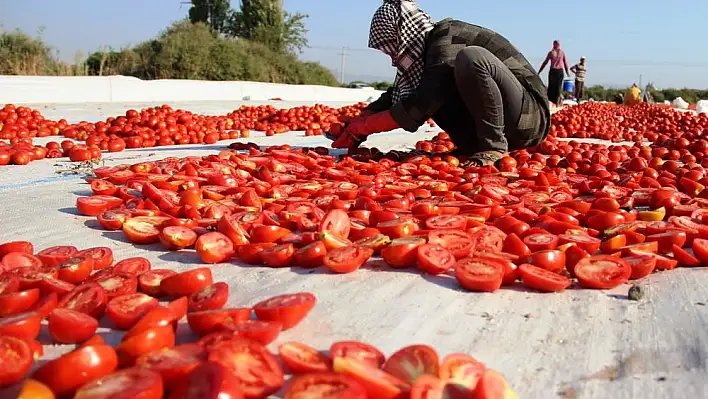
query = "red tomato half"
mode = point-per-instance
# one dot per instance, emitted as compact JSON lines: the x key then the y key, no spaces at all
{"x":360,"y":351}
{"x":302,"y":359}
{"x":69,"y":372}
{"x":336,"y":222}
{"x":125,"y":310}
{"x":16,"y":355}
{"x":214,"y":247}
{"x":412,"y":362}
{"x":602,"y":272}
{"x":70,"y":327}
{"x":325,"y":386}
{"x":133,"y":383}
{"x":187,"y":283}
{"x":542,"y":279}
{"x":102,"y":256}
{"x":435,"y":259}
{"x":210,"y":298}
{"x":173,"y":364}
{"x":137,"y":266}
{"x":347,"y":259}
{"x":89,"y":298}
{"x":256,"y":369}
{"x":209,"y":380}
{"x":288,"y":309}
{"x":479,"y":274}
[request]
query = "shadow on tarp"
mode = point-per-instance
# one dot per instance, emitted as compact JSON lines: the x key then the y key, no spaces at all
{"x":70,"y":211}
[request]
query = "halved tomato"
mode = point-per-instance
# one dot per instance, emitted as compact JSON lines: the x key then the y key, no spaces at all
{"x":136,"y":265}
{"x":76,"y":270}
{"x":187,"y":283}
{"x":173,"y":364}
{"x":278,"y":256}
{"x":70,"y":327}
{"x":139,"y":231}
{"x":542,"y":279}
{"x":360,"y":351}
{"x":311,"y":255}
{"x":287,"y":309}
{"x":431,"y":387}
{"x":151,"y":281}
{"x":479,"y":274}
{"x":261,"y":331}
{"x":17,"y":359}
{"x":412,"y":362}
{"x":302,"y":359}
{"x":18,"y":302}
{"x":250,"y":254}
{"x":125,"y":310}
{"x":209,"y":380}
{"x":347,"y":259}
{"x":446,"y":222}
{"x":150,"y":340}
{"x":402,"y":252}
{"x":175,"y":238}
{"x":376,"y":382}
{"x":9,"y":283}
{"x":325,"y":386}
{"x":492,"y":385}
{"x":16,"y":246}
{"x":69,"y":372}
{"x":435,"y":259}
{"x":125,"y":384}
{"x":602,"y":272}
{"x":207,"y":321}
{"x":256,"y":369}
{"x":53,"y":256}
{"x":102,"y":256}
{"x":16,"y":260}
{"x":461,"y":369}
{"x":336,"y":222}
{"x":89,"y":298}
{"x":117,"y":284}
{"x":209,"y":298}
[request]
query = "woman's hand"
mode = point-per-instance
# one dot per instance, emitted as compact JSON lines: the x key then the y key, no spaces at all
{"x":358,"y":129}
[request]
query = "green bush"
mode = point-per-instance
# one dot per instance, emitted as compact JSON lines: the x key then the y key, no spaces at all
{"x":21,"y":54}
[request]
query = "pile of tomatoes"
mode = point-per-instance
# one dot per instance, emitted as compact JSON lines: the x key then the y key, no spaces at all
{"x":598,"y":216}
{"x":22,"y":122}
{"x":72,"y":290}
{"x":441,"y":143}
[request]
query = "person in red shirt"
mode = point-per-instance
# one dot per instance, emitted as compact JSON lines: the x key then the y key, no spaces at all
{"x":558,"y":62}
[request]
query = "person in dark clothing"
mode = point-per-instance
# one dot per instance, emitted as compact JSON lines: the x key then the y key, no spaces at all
{"x":470,"y":80}
{"x":556,"y":57}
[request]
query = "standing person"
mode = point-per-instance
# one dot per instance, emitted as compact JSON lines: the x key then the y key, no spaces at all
{"x":555,"y":75}
{"x":579,"y":70}
{"x":633,"y":95}
{"x":470,"y":80}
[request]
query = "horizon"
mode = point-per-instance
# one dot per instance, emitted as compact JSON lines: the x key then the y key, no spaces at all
{"x":617,"y":54}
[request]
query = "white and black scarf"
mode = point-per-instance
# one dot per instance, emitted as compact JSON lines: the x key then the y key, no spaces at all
{"x":399,"y":29}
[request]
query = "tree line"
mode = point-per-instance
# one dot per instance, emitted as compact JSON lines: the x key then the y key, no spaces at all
{"x":259,"y":42}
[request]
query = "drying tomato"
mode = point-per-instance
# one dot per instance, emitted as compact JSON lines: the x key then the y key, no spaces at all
{"x":125,"y":384}
{"x":427,"y":386}
{"x":175,"y":238}
{"x":89,"y":298}
{"x":150,"y":281}
{"x":542,"y":279}
{"x":76,"y":270}
{"x":492,"y":385}
{"x":551,"y":260}
{"x":278,"y":256}
{"x":479,"y":274}
{"x":74,"y":369}
{"x":261,"y":331}
{"x":376,"y":382}
{"x":9,"y":283}
{"x":325,"y":386}
{"x":462,"y":370}
{"x":402,"y":252}
{"x":150,"y":340}
{"x":16,"y":246}
{"x":256,"y":369}
{"x":412,"y":362}
{"x":45,"y":305}
{"x":301,"y":359}
{"x":208,"y":321}
{"x":209,"y":380}
{"x":137,"y":266}
{"x":69,"y":327}
{"x":347,"y":259}
{"x":139,"y":231}
{"x":288,"y":309}
{"x":261,"y":234}
{"x":250,"y":254}
{"x":18,"y":302}
{"x":311,"y":255}
{"x":336,"y":222}
{"x":125,"y":310}
{"x":435,"y":259}
{"x":602,"y":272}
{"x":359,"y":351}
{"x":102,"y":256}
{"x":16,"y":355}
{"x":173,"y":364}
{"x":186,"y":283}
{"x":210,"y":298}
{"x":16,"y":260}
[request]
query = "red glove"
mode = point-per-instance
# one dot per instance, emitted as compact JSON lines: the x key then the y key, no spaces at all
{"x":357,"y":131}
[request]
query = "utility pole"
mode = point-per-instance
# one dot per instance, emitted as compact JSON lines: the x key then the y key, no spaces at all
{"x":640,"y":80}
{"x":343,"y":58}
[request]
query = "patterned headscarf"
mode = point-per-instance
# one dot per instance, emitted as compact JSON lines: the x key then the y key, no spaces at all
{"x":399,"y":29}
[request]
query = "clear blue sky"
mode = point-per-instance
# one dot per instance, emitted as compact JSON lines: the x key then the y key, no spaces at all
{"x":620,"y":38}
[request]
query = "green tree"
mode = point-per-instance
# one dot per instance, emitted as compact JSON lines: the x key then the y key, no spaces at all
{"x":215,"y":13}
{"x":266,"y":22}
